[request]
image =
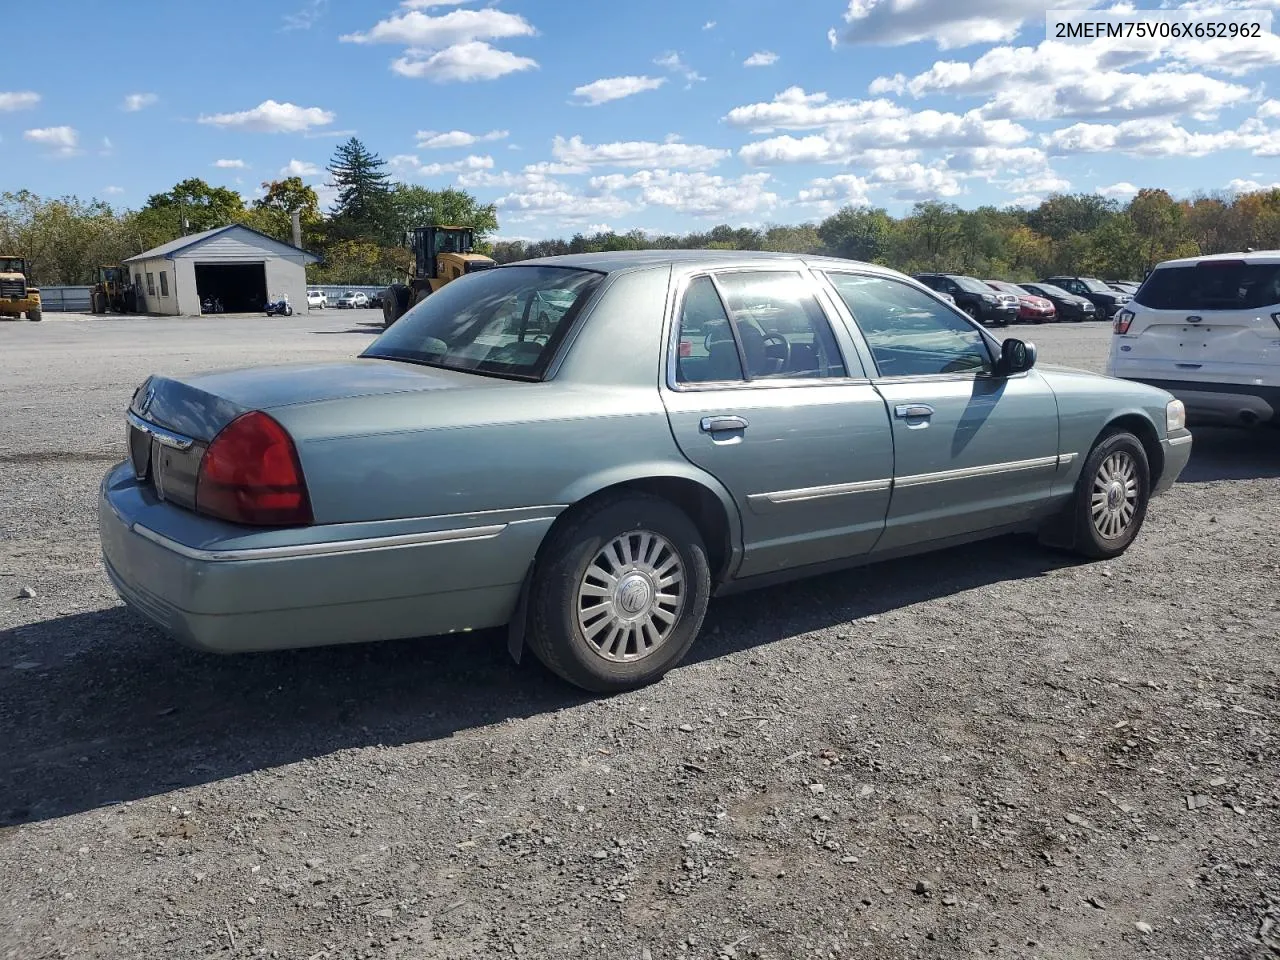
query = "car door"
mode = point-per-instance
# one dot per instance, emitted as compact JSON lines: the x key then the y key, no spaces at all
{"x":767,"y":395}
{"x":972,"y":450}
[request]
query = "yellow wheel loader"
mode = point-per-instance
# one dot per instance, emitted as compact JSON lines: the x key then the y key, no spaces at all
{"x":17,"y":294}
{"x":113,"y":292}
{"x":440,"y":254}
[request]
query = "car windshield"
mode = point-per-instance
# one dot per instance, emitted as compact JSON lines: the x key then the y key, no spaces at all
{"x":504,"y":322}
{"x":1051,"y":291}
{"x":1095,"y":286}
{"x":1005,"y":287}
{"x":971,"y":285}
{"x":1212,"y":285}
{"x":12,"y":265}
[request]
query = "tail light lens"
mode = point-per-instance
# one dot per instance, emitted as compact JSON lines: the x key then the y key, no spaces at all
{"x":250,"y":474}
{"x":1122,"y":321}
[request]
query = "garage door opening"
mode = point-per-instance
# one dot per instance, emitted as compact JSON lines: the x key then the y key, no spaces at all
{"x":241,"y":287}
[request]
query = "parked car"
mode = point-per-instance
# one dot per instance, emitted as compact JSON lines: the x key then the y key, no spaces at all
{"x":352,"y":299}
{"x":1031,"y":309}
{"x":317,"y":300}
{"x":1124,"y":286}
{"x":1067,"y":305}
{"x":974,"y":297}
{"x":454,"y":478}
{"x":1207,"y":329}
{"x":946,"y":296}
{"x":1106,"y":300}
{"x":375,"y":301}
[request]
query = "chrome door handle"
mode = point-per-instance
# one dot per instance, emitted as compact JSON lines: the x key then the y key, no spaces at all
{"x":912,"y":411}
{"x":718,"y":424}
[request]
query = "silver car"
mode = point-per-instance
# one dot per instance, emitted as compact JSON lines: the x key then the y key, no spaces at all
{"x":680,"y":425}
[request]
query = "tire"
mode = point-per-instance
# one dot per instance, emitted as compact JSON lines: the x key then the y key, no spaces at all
{"x":288,"y":311}
{"x":972,"y":311}
{"x":1118,"y":461}
{"x":35,"y":316}
{"x":395,"y":304}
{"x":574,"y":627}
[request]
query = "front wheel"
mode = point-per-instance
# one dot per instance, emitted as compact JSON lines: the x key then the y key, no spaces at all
{"x":620,"y":595}
{"x":1111,"y":496}
{"x":288,"y":311}
{"x":35,"y":316}
{"x":972,"y":311}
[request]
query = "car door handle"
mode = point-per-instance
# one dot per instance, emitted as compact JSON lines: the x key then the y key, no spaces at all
{"x":912,"y":411}
{"x":719,"y":424}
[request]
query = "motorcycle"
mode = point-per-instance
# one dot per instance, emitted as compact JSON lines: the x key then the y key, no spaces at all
{"x":280,"y":307}
{"x":211,"y":305}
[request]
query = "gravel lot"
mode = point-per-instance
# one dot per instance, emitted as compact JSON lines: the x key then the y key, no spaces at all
{"x":992,"y":751}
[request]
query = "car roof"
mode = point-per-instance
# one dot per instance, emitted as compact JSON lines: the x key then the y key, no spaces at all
{"x":1254,"y":256}
{"x":620,"y":260}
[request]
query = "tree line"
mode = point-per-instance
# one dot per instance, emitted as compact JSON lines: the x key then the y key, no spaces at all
{"x":361,"y":239}
{"x":1082,"y":233}
{"x":65,"y":239}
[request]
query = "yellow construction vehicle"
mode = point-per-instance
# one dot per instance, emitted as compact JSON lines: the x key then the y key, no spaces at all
{"x":440,"y":254}
{"x":113,"y":291}
{"x":17,"y":294}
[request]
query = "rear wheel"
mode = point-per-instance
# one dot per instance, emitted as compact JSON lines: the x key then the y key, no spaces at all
{"x":620,"y":594}
{"x":395,"y":303}
{"x":35,"y":316}
{"x":1111,"y":497}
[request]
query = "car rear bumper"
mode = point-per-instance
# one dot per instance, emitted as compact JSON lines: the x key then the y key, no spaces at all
{"x":1222,"y":404}
{"x":462,"y":575}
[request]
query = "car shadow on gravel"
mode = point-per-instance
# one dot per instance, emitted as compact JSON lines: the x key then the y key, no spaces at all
{"x":101,"y":708}
{"x":1232,"y":454}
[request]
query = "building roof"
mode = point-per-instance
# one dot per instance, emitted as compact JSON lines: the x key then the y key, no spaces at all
{"x":191,"y":240}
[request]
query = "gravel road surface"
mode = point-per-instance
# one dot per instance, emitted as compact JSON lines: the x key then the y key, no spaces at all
{"x":993,"y":751}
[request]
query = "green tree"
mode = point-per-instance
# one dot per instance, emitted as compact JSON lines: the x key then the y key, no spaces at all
{"x":272,"y":213}
{"x":363,"y":208}
{"x":857,"y":233}
{"x":1064,"y":214}
{"x":1157,"y":222}
{"x":62,"y":239}
{"x":414,"y":206}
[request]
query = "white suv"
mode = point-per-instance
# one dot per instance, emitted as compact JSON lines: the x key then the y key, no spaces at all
{"x":317,"y":300}
{"x":1207,"y":329}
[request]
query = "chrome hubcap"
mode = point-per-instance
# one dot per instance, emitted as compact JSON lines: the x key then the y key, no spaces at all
{"x":1115,"y":495}
{"x":631,"y":597}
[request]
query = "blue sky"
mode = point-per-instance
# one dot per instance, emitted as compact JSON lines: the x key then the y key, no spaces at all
{"x":664,"y":115}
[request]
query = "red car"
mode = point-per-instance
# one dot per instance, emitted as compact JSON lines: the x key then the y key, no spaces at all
{"x":1031,"y":309}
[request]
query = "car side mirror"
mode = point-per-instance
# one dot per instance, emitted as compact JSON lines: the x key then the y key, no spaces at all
{"x":1016,"y":356}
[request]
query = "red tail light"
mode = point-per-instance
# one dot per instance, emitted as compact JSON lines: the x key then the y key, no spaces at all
{"x":251,"y":474}
{"x":1121,"y":322}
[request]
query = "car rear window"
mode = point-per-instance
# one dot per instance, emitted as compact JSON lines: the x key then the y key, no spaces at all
{"x":1212,"y":285}
{"x":503,"y":322}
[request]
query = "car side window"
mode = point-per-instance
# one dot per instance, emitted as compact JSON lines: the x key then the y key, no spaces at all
{"x":1073,"y":286}
{"x":708,"y":352}
{"x":910,"y":333}
{"x":782,"y":330}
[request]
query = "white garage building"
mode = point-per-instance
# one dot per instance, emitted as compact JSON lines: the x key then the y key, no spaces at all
{"x":235,"y":264}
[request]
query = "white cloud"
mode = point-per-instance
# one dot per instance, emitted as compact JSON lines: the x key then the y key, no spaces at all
{"x":432,"y":140}
{"x":828,"y":193}
{"x":847,"y":142}
{"x":990,"y":162}
{"x":1160,"y":138}
{"x":915,"y":181}
{"x":18,"y":100}
{"x":1270,"y":110}
{"x":138,"y":101}
{"x":427,"y":4}
{"x":272,"y":117}
{"x":113,"y":190}
{"x":423,"y":32}
{"x":615,"y":88}
{"x":671,"y":61}
{"x":306,"y":16}
{"x":1250,"y":186}
{"x":1026,"y":202}
{"x":761,"y":58}
{"x":793,"y":109}
{"x":636,"y":153}
{"x":64,"y":140}
{"x":696,"y":194}
{"x":1046,"y":182}
{"x":709,"y":25}
{"x":300,"y":168}
{"x":1118,"y":190}
{"x":462,"y":62}
{"x":946,"y":22}
{"x":1062,"y":80}
{"x":409,"y":165}
{"x":230,"y":164}
{"x":551,"y":198}
{"x":591,"y":228}
{"x":108,"y":147}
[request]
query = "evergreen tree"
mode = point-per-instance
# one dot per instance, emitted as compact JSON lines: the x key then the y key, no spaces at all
{"x":363,"y":208}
